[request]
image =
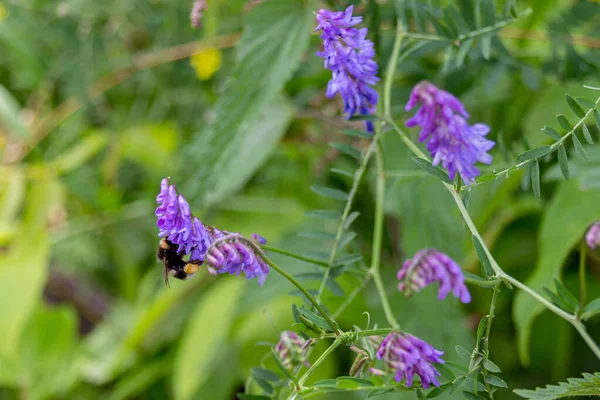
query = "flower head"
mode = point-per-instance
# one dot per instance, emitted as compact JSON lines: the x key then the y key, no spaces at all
{"x":198,"y":8}
{"x":592,"y":237}
{"x":407,"y":355}
{"x":292,"y":349}
{"x":349,"y":56}
{"x":234,"y":254}
{"x":450,"y":139}
{"x":429,"y":266}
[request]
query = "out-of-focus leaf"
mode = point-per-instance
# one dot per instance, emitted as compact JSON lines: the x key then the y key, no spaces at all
{"x":589,"y":385}
{"x":206,"y":331}
{"x":535,"y":179}
{"x":586,"y":134}
{"x":490,"y":366}
{"x":275,"y":37}
{"x":81,"y":152}
{"x":350,"y":219}
{"x":548,"y":130}
{"x":597,"y":118}
{"x":593,"y":308}
{"x":579,"y":147}
{"x":324,"y":214}
{"x":563,"y":161}
{"x":564,"y":294}
{"x":483,"y":258}
{"x":140,"y":379}
{"x":575,"y":107}
{"x":9,"y":115}
{"x":357,"y":133}
{"x":346,"y":149}
{"x":330,"y":193}
{"x":563,"y":224}
{"x":564,"y":122}
{"x":426,"y":166}
{"x":533,"y":153}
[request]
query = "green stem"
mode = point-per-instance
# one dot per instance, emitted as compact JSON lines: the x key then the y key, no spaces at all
{"x":391,"y":70}
{"x":366,"y":332}
{"x":338,"y":236}
{"x":486,"y":338}
{"x":582,"y":279}
{"x":320,"y":360}
{"x":294,"y":255}
{"x":377,"y":239}
{"x":310,"y":298}
{"x":588,"y":339}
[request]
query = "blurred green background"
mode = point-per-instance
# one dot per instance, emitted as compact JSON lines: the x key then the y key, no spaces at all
{"x":99,"y":100}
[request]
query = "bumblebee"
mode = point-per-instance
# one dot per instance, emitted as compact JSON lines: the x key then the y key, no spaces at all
{"x":173,"y":262}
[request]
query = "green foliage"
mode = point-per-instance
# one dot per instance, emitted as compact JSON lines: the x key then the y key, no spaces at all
{"x":589,"y":385}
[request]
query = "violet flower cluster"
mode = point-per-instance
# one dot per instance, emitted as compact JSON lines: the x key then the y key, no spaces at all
{"x":198,"y":8}
{"x":179,"y":226}
{"x":234,"y":254}
{"x":406,"y":355}
{"x":429,"y":266}
{"x":451,"y":141}
{"x":349,"y":56}
{"x":292,"y":349}
{"x":592,"y":237}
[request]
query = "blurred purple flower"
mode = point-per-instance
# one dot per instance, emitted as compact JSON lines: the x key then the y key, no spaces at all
{"x":450,"y":139}
{"x":292,"y":349}
{"x":258,"y":239}
{"x":407,"y":355}
{"x":198,"y":8}
{"x":234,"y":254}
{"x":429,"y":266}
{"x":349,"y":56}
{"x":592,"y":237}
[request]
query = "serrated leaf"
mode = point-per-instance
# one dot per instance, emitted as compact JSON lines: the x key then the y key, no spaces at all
{"x":490,"y":366}
{"x":575,"y":107}
{"x":589,"y":385}
{"x":329,"y":193}
{"x":465,"y":46}
{"x":551,"y":132}
{"x":579,"y":148}
{"x":495,"y":381}
{"x":463,"y":354}
{"x":586,"y":134}
{"x":264,"y":374}
{"x":432,"y":170}
{"x":346,"y":149}
{"x":533,"y":153}
{"x":481,"y":328}
{"x":351,"y":217}
{"x":357,"y":133}
{"x":472,"y":396}
{"x":483,"y":258}
{"x":563,"y":161}
{"x":564,"y":122}
{"x":564,"y":294}
{"x":324,"y":214}
{"x":591,"y":309}
{"x":378,"y":392}
{"x":535,"y":179}
{"x":221,"y":159}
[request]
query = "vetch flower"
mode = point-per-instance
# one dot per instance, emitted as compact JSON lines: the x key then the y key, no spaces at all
{"x":198,"y":8}
{"x":206,"y":63}
{"x":292,"y":349}
{"x":406,"y":355}
{"x":234,"y":254}
{"x":592,"y":237}
{"x":429,"y":266}
{"x":349,"y":56}
{"x":258,"y":239}
{"x":451,"y":141}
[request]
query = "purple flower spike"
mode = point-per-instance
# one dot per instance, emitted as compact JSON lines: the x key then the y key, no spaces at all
{"x":292,"y":349}
{"x":234,"y":254}
{"x":450,"y":139}
{"x":429,"y":266}
{"x":198,"y":8}
{"x":592,"y":237}
{"x":407,"y":355}
{"x":349,"y":56}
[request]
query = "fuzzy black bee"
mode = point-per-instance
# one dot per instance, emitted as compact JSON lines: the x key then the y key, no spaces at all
{"x":173,"y":262}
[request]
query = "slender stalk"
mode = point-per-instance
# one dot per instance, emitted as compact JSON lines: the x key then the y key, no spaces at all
{"x":582,"y":279}
{"x":294,"y":255}
{"x":366,"y":332}
{"x":377,"y":239}
{"x":588,"y":339}
{"x":320,"y":360}
{"x":310,"y":298}
{"x":486,"y":338}
{"x":391,"y":69}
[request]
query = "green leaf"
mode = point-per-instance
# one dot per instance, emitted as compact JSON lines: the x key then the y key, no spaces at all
{"x":472,"y":396}
{"x":567,"y":296}
{"x":80,"y":153}
{"x":346,"y":239}
{"x":431,"y":170}
{"x":490,"y":366}
{"x":535,"y":178}
{"x":324,"y":214}
{"x":533,"y":153}
{"x":495,"y":381}
{"x":276,"y":36}
{"x":486,"y":46}
{"x":357,"y":381}
{"x":589,"y":385}
{"x":264,"y":374}
{"x":575,"y":107}
{"x":548,"y":130}
{"x":591,"y":309}
{"x":586,"y":134}
{"x":357,"y":133}
{"x":341,"y":172}
{"x":312,"y":320}
{"x":556,"y":300}
{"x":350,"y":219}
{"x":438,"y":391}
{"x":465,"y":46}
{"x":364,"y":118}
{"x":330,"y":193}
{"x":463,"y":354}
{"x":564,"y":122}
{"x":483,"y":258}
{"x":563,"y":161}
{"x":597,"y":119}
{"x":281,"y":366}
{"x":578,"y":147}
{"x":481,"y":328}
{"x":193,"y":356}
{"x":440,"y":29}
{"x":585,"y":102}
{"x":378,"y":392}
{"x":563,"y":224}
{"x":346,"y":149}
{"x":477,"y":280}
